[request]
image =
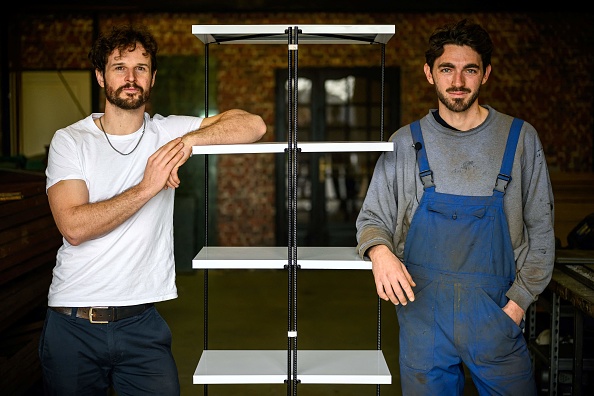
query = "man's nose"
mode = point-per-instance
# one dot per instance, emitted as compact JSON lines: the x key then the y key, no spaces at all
{"x":131,"y":76}
{"x":458,"y":79}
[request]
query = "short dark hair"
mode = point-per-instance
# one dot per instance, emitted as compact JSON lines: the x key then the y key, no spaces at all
{"x":123,"y":38}
{"x":464,"y":32}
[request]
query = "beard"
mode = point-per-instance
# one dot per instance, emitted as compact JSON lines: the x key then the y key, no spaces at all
{"x":457,"y":105}
{"x":129,"y":102}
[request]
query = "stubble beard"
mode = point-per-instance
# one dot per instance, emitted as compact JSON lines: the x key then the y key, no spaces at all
{"x":457,"y":105}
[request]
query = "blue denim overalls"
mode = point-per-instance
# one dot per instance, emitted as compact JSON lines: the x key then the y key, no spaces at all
{"x":459,"y":253}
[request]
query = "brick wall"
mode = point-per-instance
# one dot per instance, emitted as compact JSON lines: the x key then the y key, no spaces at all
{"x":542,"y":72}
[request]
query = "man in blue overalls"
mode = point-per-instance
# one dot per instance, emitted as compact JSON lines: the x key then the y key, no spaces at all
{"x":458,"y":224}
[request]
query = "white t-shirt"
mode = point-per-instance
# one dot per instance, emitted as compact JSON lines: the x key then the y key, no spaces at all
{"x":134,"y":263}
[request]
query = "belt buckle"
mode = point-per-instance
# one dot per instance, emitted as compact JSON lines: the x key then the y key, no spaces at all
{"x":91,"y":315}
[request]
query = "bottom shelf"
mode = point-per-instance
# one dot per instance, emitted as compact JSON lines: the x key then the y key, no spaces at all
{"x":313,"y":367}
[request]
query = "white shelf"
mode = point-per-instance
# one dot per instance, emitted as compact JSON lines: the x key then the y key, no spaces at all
{"x":313,"y":367}
{"x":273,"y":366}
{"x":305,"y":147}
{"x":277,"y":34}
{"x":250,"y":257}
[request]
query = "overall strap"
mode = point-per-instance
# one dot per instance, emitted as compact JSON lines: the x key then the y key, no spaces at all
{"x":425,"y":173}
{"x":504,"y":176}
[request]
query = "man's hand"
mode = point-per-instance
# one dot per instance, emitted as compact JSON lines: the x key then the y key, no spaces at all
{"x":173,"y":180}
{"x":514,"y":311}
{"x":159,"y":167}
{"x":392,"y":280}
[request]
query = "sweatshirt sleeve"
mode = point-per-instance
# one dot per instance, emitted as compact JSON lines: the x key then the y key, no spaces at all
{"x":375,"y":222}
{"x":536,"y":263}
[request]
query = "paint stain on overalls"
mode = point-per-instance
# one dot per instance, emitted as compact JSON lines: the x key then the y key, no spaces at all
{"x":458,"y":251}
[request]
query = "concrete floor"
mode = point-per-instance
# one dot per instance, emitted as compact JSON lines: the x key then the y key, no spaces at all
{"x":248,"y":310}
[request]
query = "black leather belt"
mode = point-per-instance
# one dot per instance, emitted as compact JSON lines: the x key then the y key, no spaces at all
{"x":104,"y":314}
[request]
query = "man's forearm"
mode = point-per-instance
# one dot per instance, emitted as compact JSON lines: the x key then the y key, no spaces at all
{"x":230,"y":127}
{"x":92,"y":220}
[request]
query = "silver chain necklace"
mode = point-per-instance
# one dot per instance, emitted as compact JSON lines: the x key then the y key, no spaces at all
{"x":116,"y":150}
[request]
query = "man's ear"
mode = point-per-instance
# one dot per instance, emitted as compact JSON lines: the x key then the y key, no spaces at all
{"x":154,"y":78}
{"x":487,"y":74}
{"x":428,"y":74}
{"x":100,"y":78}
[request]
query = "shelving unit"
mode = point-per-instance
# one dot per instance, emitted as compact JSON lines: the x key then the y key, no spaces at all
{"x":564,"y":363}
{"x":291,"y":366}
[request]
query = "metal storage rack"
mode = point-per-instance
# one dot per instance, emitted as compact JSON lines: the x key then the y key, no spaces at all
{"x":290,"y":366}
{"x":569,"y":295}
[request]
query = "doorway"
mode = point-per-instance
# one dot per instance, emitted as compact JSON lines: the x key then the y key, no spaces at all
{"x":334,"y":104}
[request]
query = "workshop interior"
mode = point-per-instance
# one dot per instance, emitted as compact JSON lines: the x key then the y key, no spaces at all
{"x":542,"y":71}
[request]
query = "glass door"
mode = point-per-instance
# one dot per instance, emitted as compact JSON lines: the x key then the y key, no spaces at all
{"x":333,"y":105}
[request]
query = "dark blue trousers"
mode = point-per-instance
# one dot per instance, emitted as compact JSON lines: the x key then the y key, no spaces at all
{"x":132,"y":355}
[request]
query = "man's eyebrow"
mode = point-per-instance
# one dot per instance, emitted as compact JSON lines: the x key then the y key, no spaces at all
{"x":452,"y":66}
{"x":446,"y":64}
{"x":122,"y":63}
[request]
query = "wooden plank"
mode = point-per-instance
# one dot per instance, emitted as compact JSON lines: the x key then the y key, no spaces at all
{"x":20,"y":364}
{"x":44,"y":259}
{"x":23,"y":294}
{"x":28,"y":248}
{"x":574,"y":256}
{"x":24,"y":189}
{"x":580,"y":273}
{"x":19,"y":176}
{"x":13,"y":235}
{"x":29,"y":240}
{"x":570,"y":289}
{"x":10,"y":196}
{"x":15,"y":213}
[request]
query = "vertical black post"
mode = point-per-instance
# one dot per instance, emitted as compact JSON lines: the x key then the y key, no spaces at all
{"x":554,"y":362}
{"x":290,"y":86}
{"x":578,"y":352}
{"x":294,"y":201}
{"x":292,"y":160}
{"x":383,"y":68}
{"x":206,"y":79}
{"x":379,"y":300}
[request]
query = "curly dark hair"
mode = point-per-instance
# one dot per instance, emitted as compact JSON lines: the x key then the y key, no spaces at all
{"x":464,"y":32}
{"x":123,"y":38}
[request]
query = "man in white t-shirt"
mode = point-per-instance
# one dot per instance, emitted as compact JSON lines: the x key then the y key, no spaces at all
{"x":111,"y":179}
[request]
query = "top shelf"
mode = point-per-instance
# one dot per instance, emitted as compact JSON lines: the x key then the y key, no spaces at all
{"x":278,"y":34}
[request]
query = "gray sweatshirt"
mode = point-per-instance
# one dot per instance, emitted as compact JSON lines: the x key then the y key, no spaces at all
{"x":467,"y":163}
